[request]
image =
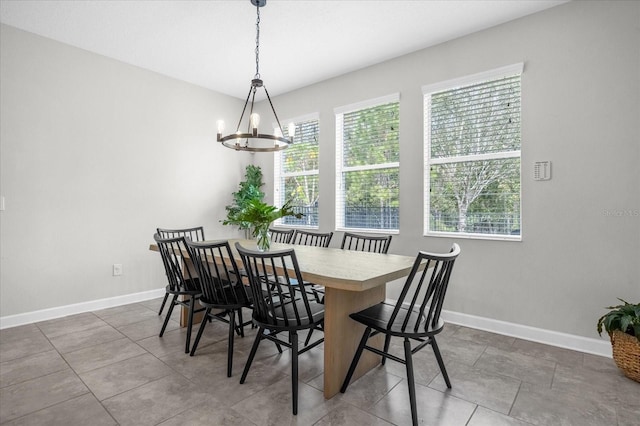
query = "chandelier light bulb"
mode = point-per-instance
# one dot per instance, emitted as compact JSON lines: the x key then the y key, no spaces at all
{"x":292,"y":130}
{"x":220,"y":126}
{"x":255,"y":122}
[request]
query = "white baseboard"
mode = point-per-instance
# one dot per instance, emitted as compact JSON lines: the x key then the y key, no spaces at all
{"x":77,"y":308}
{"x":525,"y":332}
{"x":547,"y":337}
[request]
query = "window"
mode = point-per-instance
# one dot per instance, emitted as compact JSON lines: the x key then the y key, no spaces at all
{"x":472,"y":156}
{"x":367,"y":165}
{"x":296,"y":173}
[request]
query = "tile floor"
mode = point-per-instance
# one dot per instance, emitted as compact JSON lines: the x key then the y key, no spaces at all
{"x":110,"y":367}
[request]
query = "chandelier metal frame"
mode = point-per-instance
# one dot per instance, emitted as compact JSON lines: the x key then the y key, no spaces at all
{"x":241,"y":141}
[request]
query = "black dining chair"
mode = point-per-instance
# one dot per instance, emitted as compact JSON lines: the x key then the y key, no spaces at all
{"x":280,"y":305}
{"x":184,"y":284}
{"x":356,"y":242}
{"x":223,"y":293}
{"x":194,"y":234}
{"x":314,"y":239}
{"x":415,"y":316}
{"x":310,"y":238}
{"x":281,"y":235}
{"x":370,"y":243}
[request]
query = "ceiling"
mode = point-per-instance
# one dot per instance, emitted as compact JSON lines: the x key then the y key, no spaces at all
{"x":212,"y":43}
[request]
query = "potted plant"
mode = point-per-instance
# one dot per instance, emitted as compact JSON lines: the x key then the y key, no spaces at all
{"x":622,"y":323}
{"x":258,"y":216}
{"x":249,"y":190}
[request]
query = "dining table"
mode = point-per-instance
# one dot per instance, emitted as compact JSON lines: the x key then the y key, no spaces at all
{"x":352,"y":281}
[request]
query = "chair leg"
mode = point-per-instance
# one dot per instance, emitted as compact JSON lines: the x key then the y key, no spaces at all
{"x":443,"y":370}
{"x":293,"y":336}
{"x":232,"y":326}
{"x":241,"y":325}
{"x":387,"y":340}
{"x":411,"y":381}
{"x":164,"y":301}
{"x":356,"y":358}
{"x":166,"y":320}
{"x":192,"y":303}
{"x":252,"y":354}
{"x":306,"y":342}
{"x":203,"y":324}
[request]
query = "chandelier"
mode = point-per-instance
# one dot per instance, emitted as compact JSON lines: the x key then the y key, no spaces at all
{"x":252,"y":140}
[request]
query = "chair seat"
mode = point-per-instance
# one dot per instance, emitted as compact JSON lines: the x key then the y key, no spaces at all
{"x":378,"y":316}
{"x":290,"y":309}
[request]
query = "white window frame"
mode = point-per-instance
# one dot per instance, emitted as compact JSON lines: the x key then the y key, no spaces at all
{"x":427,"y":90}
{"x":277,"y":167}
{"x":340,"y":168}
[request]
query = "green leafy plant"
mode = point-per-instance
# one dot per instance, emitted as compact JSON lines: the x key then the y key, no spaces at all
{"x":258,"y":216}
{"x":249,"y":190}
{"x":625,"y":318}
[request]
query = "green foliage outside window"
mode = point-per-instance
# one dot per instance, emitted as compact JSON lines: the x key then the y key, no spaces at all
{"x":370,"y":178}
{"x":475,"y":158}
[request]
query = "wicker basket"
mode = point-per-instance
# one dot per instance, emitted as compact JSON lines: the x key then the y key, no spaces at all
{"x":626,"y":354}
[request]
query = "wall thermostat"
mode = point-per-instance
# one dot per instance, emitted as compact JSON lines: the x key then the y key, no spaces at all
{"x":542,"y":170}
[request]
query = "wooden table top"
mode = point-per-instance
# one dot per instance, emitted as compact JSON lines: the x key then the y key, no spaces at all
{"x":338,"y":268}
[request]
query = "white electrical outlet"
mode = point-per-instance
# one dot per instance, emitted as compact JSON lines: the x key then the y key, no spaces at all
{"x":117,"y":269}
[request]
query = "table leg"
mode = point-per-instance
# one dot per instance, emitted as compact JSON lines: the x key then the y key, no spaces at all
{"x":342,"y":335}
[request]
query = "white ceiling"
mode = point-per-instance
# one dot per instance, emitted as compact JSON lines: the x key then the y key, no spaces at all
{"x":212,"y":43}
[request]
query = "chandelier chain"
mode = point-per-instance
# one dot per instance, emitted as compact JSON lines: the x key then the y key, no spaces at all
{"x":257,"y":42}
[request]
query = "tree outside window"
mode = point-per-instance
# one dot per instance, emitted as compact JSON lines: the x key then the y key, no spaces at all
{"x":472,"y":156}
{"x":367,"y":165}
{"x":296,"y":174}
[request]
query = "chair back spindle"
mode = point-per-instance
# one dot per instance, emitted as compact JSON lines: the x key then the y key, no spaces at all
{"x":279,"y":301}
{"x":179,"y":276}
{"x":373,"y":244}
{"x":427,"y":288}
{"x":308,"y":238}
{"x":194,"y":234}
{"x":219,"y":275}
{"x":281,"y":235}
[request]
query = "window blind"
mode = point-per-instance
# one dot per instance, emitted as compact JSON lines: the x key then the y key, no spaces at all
{"x":296,"y":173}
{"x":472,"y":156}
{"x":367,"y":166}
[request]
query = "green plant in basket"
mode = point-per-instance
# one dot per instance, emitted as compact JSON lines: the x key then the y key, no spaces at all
{"x":258,"y":216}
{"x":624,"y":318}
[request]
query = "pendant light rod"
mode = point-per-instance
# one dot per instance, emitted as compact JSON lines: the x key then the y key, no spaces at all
{"x":252,"y":140}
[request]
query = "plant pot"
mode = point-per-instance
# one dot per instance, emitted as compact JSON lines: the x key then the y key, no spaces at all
{"x":626,"y":354}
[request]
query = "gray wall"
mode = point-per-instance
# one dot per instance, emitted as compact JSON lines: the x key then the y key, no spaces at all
{"x":95,"y":155}
{"x":580,"y":110}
